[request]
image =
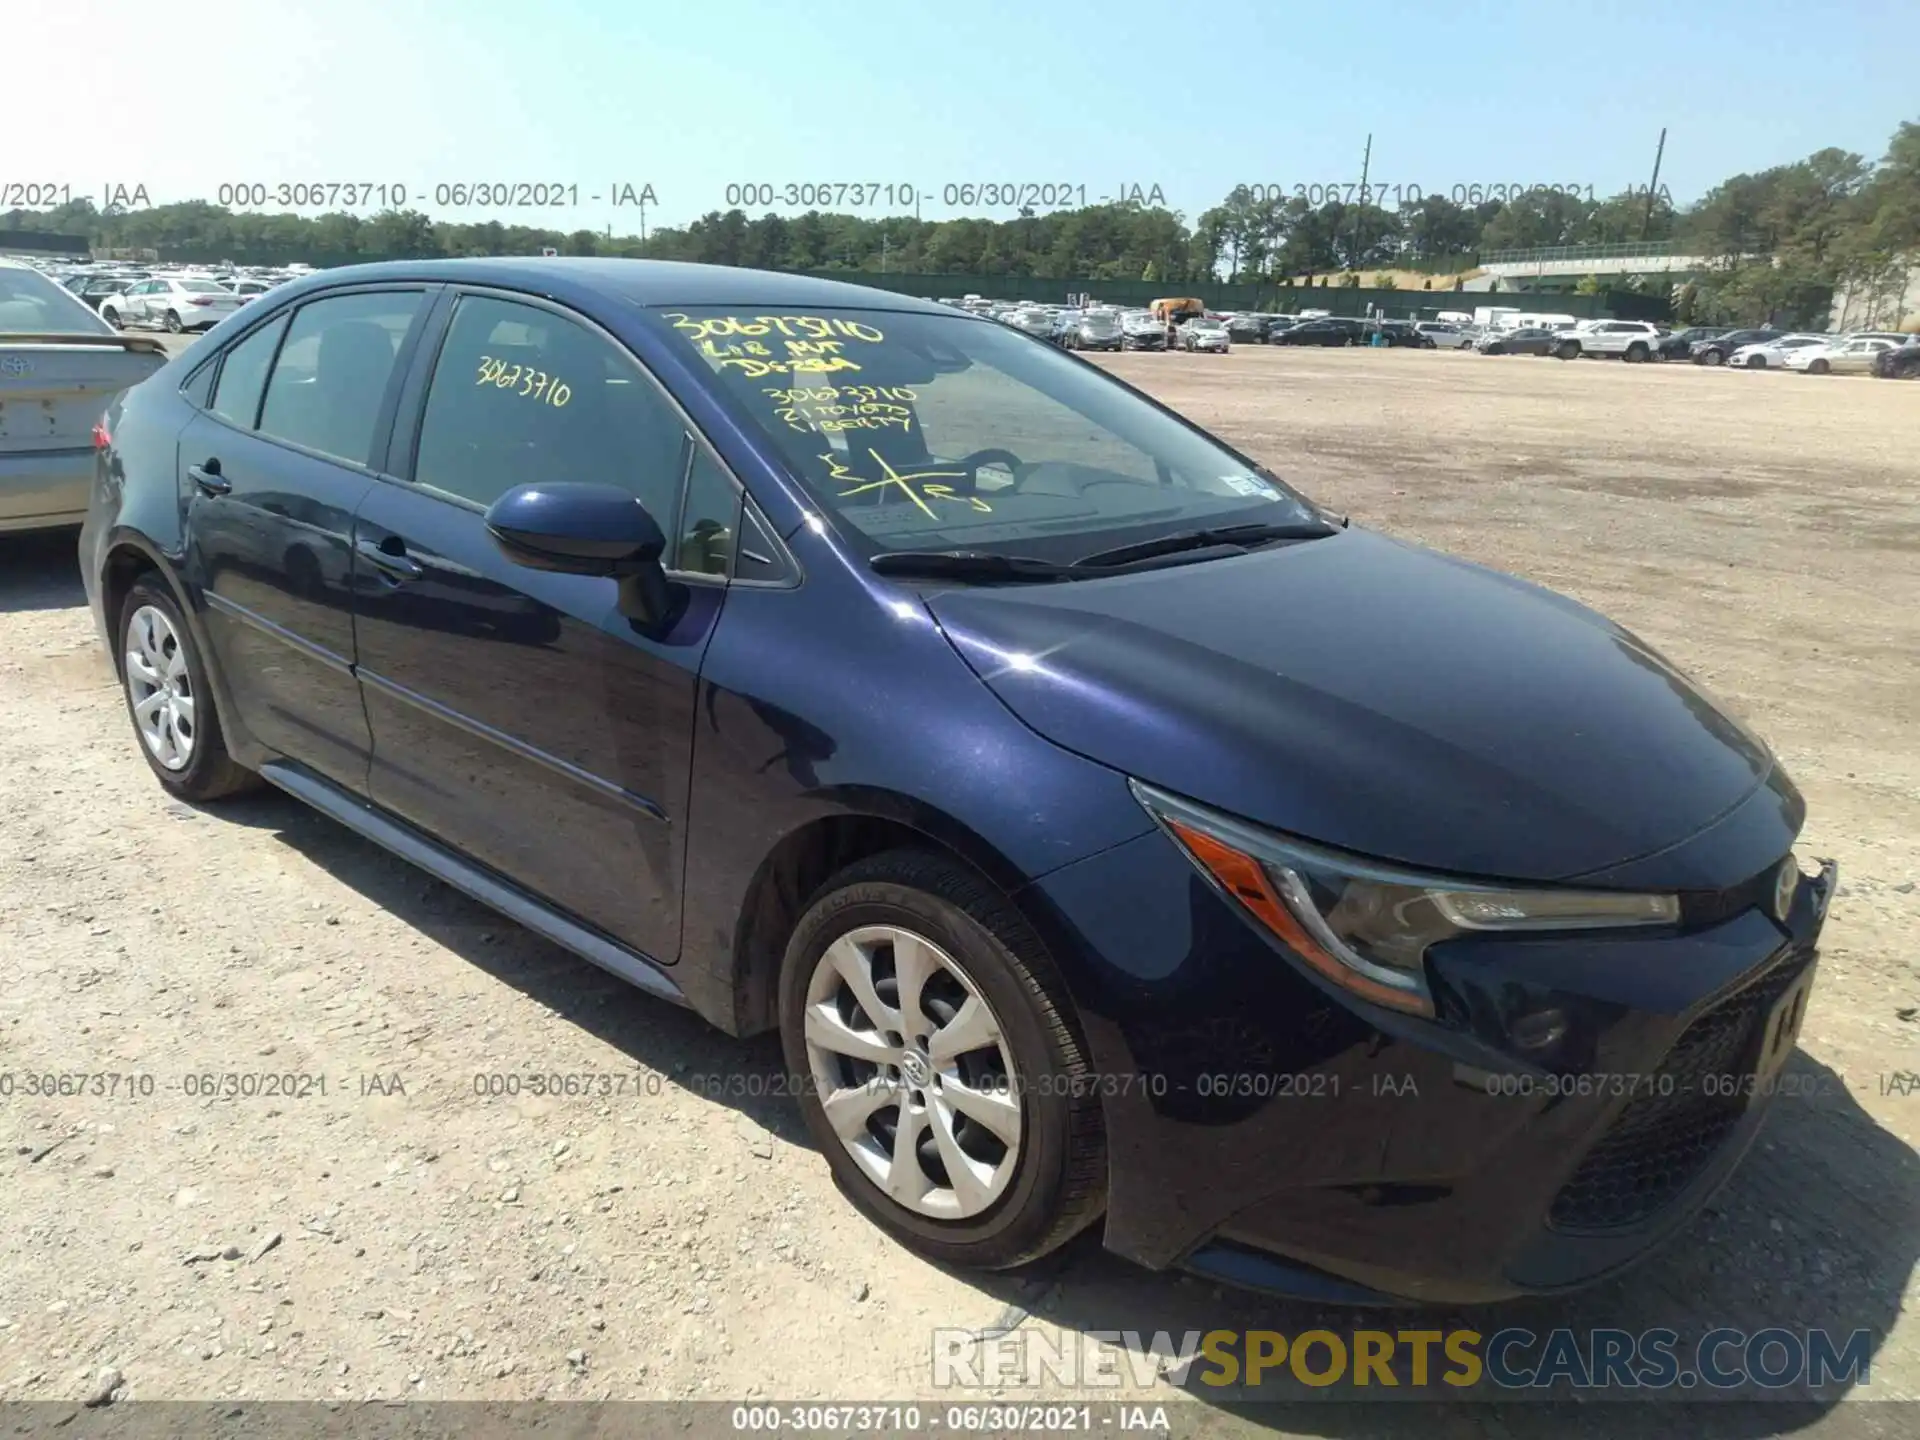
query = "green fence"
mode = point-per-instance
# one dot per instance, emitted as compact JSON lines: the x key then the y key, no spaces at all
{"x":1340,"y":300}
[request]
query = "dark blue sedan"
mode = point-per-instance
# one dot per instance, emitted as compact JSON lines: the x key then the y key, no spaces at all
{"x":1114,"y":835}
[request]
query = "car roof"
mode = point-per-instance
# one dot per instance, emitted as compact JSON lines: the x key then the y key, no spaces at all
{"x":639,"y":282}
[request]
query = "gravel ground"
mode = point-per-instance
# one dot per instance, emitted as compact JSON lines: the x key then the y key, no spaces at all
{"x":401,"y":1235}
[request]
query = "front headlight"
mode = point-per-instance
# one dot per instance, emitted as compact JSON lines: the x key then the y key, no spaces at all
{"x":1367,"y":925}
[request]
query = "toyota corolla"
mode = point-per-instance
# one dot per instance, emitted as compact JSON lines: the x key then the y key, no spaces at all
{"x":1115,"y":836}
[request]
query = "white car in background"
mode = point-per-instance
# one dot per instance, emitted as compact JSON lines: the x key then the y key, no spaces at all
{"x":1853,"y":355}
{"x":1773,"y":353}
{"x":1443,"y":335}
{"x":1204,"y":334}
{"x":171,"y":302}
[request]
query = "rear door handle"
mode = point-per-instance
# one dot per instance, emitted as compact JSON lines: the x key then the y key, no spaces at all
{"x":396,"y":564}
{"x":209,"y":479}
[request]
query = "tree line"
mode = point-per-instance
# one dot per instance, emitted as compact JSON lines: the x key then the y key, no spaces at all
{"x":1781,"y":239}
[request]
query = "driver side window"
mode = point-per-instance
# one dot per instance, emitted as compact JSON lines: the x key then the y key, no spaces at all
{"x":523,"y":394}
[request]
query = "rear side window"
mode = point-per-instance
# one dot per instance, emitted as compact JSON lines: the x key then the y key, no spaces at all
{"x":333,"y":371}
{"x":521,"y":394}
{"x":243,"y":375}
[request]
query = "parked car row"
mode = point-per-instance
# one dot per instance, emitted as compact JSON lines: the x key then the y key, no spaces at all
{"x":170,"y":297}
{"x":1855,"y":352}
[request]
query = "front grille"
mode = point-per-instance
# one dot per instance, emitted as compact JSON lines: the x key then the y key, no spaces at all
{"x":1662,"y":1141}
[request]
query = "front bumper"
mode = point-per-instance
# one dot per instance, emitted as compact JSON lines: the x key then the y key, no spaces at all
{"x":1271,"y":1131}
{"x":44,"y":489}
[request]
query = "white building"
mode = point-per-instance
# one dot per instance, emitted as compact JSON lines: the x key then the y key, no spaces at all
{"x":1889,"y":302}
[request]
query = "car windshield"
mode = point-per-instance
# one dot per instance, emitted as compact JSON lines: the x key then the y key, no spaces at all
{"x":935,"y":432}
{"x":31,"y":304}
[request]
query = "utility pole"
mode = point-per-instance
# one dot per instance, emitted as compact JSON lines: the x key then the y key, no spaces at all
{"x":1366,"y":160}
{"x":1646,"y":222}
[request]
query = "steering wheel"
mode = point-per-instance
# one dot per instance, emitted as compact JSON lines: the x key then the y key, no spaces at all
{"x":972,"y":463}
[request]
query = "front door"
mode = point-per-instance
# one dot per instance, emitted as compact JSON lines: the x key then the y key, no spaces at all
{"x":271,"y":474}
{"x":517,"y":715}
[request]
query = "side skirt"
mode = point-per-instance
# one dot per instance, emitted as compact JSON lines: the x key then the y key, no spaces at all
{"x":483,"y":885}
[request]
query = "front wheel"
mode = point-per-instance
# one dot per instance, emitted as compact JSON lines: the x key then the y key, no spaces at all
{"x":1818,"y":367}
{"x":941,"y":1071}
{"x":1713,"y":357}
{"x":1569,"y":351}
{"x":112,"y":317}
{"x":169,"y":701}
{"x":1756,"y":362}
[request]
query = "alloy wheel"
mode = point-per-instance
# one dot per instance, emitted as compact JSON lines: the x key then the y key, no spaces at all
{"x":160,"y":685}
{"x":913,"y":1071}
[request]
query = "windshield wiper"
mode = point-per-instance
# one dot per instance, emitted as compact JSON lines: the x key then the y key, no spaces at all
{"x":1241,"y":536}
{"x":968,"y":565}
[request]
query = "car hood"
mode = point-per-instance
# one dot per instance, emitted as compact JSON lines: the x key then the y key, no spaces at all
{"x":1374,"y":696}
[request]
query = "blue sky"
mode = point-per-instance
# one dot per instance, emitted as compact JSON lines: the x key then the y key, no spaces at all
{"x":1195,"y":98}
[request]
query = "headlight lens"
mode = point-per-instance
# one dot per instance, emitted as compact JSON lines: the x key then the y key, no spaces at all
{"x":1367,"y":925}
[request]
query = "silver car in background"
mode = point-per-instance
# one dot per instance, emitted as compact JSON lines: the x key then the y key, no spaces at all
{"x":1097,"y":330}
{"x":1204,"y":334}
{"x":1444,"y":335}
{"x":60,"y":367}
{"x":172,"y":302}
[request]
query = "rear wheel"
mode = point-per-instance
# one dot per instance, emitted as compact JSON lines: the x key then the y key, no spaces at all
{"x":173,"y":322}
{"x":940,"y":1071}
{"x":168,"y":699}
{"x":1636,"y":352}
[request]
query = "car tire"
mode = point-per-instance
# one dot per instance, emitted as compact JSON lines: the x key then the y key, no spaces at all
{"x":1569,"y":350}
{"x":161,"y":670}
{"x":1713,"y":357}
{"x":173,"y":322}
{"x":112,"y":317}
{"x":1030,"y":1075}
{"x":1636,"y":353}
{"x":1818,"y":367}
{"x":1756,"y":362}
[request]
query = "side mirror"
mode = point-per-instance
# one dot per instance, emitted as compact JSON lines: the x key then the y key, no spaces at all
{"x":578,"y":529}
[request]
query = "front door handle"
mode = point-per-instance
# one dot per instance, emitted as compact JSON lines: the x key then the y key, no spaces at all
{"x":395,"y":563}
{"x":208,"y":479}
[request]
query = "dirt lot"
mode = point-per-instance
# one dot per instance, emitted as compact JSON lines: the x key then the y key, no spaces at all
{"x":401,"y":1235}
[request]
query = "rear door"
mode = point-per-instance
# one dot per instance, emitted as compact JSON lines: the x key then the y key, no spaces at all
{"x":517,"y":715}
{"x":270,"y":474}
